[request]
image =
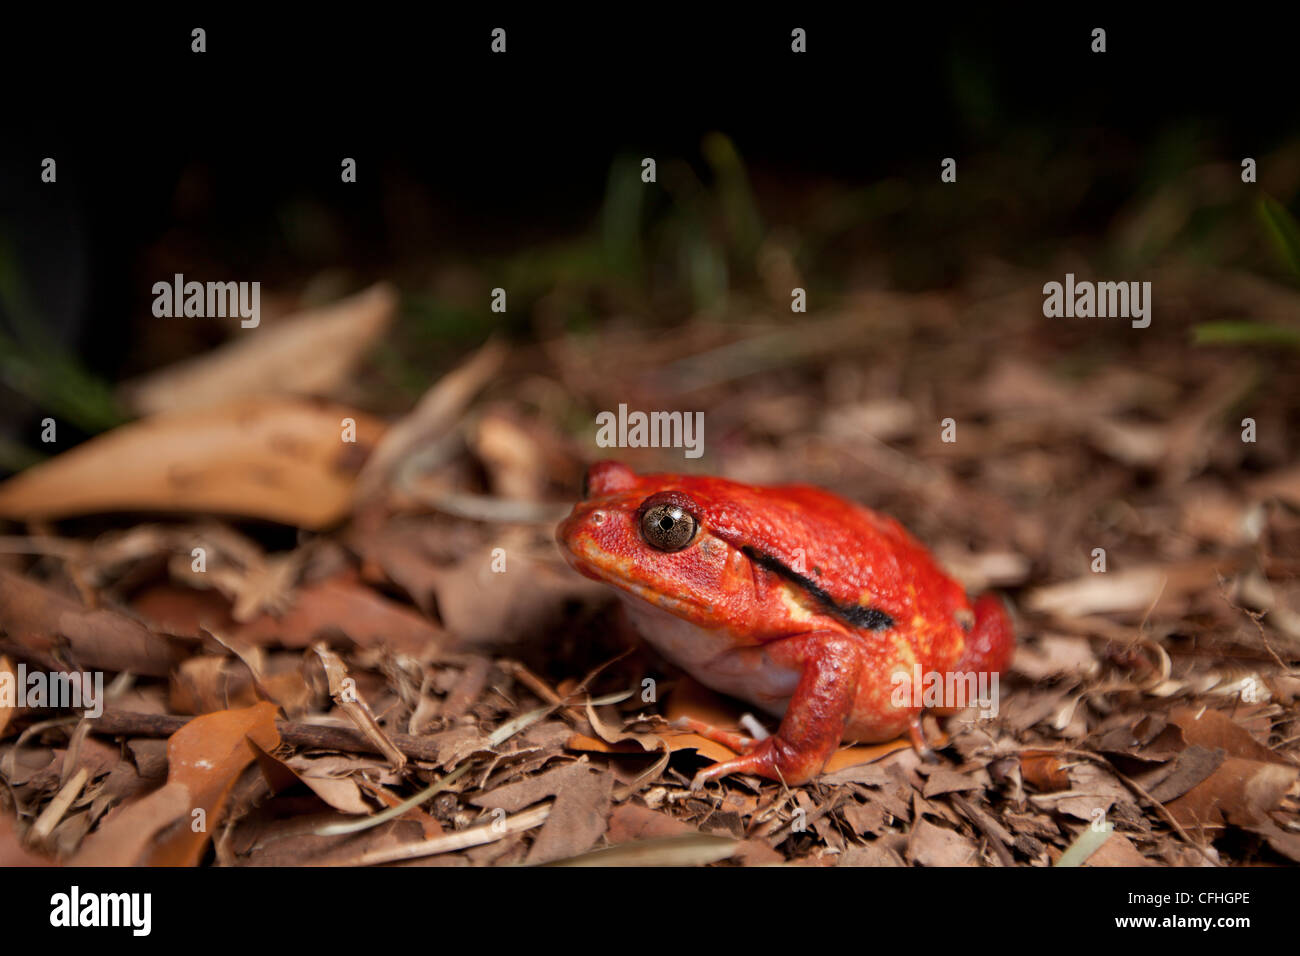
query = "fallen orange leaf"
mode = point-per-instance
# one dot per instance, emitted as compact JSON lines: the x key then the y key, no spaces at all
{"x":310,"y":353}
{"x":278,"y":458}
{"x":207,"y":756}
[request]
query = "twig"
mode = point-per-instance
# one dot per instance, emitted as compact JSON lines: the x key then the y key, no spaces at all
{"x":53,"y":813}
{"x":293,"y":732}
{"x":474,"y":836}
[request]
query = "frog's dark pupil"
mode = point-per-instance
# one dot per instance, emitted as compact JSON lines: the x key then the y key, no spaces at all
{"x":667,"y":526}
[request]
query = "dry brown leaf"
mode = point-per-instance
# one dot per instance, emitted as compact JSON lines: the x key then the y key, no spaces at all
{"x":932,"y":845}
{"x":1045,"y":770}
{"x":1118,"y":850}
{"x":340,"y":792}
{"x":125,"y":836}
{"x":578,"y":818}
{"x":873,"y":854}
{"x":1055,"y":655}
{"x":341,"y":606}
{"x":1214,"y":729}
{"x":183,"y":611}
{"x":946,"y":780}
{"x":1181,"y":774}
{"x":310,"y":353}
{"x":1240,"y":792}
{"x":630,"y":822}
{"x":510,"y":452}
{"x":41,"y":624}
{"x":283,"y":459}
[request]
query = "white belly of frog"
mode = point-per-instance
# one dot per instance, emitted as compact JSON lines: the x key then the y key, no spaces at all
{"x":714,"y":659}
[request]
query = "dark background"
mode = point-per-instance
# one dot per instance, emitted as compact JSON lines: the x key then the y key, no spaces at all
{"x":504,"y":150}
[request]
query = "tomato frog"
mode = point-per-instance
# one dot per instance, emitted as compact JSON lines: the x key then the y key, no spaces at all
{"x":804,"y":604}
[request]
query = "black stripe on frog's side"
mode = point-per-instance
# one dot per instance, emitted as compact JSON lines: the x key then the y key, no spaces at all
{"x":868,"y":618}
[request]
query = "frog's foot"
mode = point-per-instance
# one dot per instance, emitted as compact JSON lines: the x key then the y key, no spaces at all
{"x":772,"y":758}
{"x":762,"y":761}
{"x":732,"y":741}
{"x":815,"y":718}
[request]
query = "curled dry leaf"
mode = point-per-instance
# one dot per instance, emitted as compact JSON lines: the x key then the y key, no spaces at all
{"x":432,"y":416}
{"x":343,"y":690}
{"x":310,"y":353}
{"x":513,"y":457}
{"x":284,"y":459}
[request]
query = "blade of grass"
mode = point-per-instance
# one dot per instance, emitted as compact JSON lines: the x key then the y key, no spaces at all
{"x":1244,"y":333}
{"x":1284,"y":230}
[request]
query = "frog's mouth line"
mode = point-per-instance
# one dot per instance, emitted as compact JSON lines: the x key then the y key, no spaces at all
{"x":597,"y":564}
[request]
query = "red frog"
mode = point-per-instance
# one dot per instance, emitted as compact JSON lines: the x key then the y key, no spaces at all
{"x":789,"y":597}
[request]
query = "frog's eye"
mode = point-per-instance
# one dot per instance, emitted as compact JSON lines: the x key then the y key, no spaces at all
{"x":667,"y":526}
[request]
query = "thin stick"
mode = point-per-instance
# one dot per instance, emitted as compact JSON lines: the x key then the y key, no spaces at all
{"x":57,"y":807}
{"x":292,"y":732}
{"x":474,"y":836}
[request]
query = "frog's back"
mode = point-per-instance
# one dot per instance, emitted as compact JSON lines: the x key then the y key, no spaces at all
{"x":863,"y":562}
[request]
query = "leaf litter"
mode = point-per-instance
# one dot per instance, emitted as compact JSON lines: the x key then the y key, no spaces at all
{"x":398,"y":682}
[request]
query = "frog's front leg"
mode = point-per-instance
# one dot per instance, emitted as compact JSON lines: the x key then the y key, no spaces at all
{"x":814,"y":722}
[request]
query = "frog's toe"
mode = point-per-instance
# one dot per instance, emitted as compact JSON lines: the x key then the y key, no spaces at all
{"x":732,"y":741}
{"x":768,"y":758}
{"x":916,"y":732}
{"x":758,"y":761}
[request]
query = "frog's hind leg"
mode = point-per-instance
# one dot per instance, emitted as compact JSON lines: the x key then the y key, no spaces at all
{"x":814,"y":721}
